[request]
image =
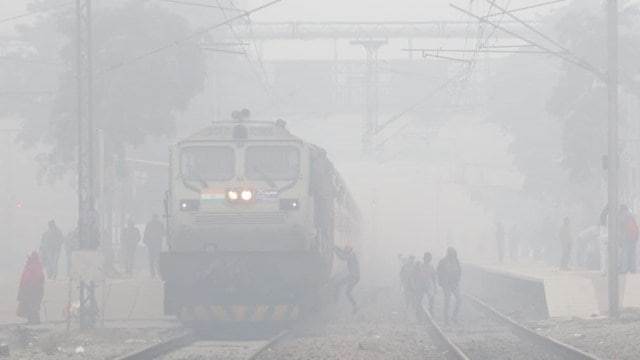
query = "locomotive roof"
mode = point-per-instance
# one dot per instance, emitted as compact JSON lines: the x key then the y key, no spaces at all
{"x":255,"y":130}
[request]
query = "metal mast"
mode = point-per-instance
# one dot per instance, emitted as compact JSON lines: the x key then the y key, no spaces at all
{"x":370,"y":123}
{"x":86,"y":173}
{"x":613,"y":159}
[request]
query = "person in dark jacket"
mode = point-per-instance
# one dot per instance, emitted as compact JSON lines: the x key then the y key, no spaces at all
{"x":70,"y":245}
{"x":566,"y":240}
{"x":129,"y":239}
{"x":50,"y":247}
{"x":353,"y":274}
{"x":425,"y":283}
{"x":500,"y":240}
{"x":449,"y":273}
{"x":154,"y":232}
{"x":406,"y":277}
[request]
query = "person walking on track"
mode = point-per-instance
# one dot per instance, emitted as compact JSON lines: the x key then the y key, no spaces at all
{"x":425,"y":283}
{"x":449,"y":273}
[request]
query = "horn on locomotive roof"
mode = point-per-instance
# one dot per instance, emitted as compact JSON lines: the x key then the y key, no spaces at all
{"x":281,"y":123}
{"x":241,"y":115}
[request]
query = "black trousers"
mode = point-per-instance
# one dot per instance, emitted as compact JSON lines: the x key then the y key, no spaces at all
{"x":350,"y":282}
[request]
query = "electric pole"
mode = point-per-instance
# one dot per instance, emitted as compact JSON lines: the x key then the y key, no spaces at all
{"x":612,"y":158}
{"x":370,"y":123}
{"x":88,"y":229}
{"x":84,"y":73}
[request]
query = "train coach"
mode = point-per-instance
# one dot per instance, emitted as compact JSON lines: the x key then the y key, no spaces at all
{"x":253,"y":214}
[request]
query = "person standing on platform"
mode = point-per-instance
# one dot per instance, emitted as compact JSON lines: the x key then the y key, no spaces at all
{"x":500,"y":237}
{"x":129,"y":239}
{"x":154,"y":232}
{"x":70,"y":245}
{"x":449,"y":273}
{"x":628,"y":230}
{"x":31,"y":290}
{"x":50,"y":247}
{"x":566,"y":240}
{"x":514,"y":243}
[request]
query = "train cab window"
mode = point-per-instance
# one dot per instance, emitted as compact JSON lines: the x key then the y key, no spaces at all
{"x":215,"y":163}
{"x":272,"y":163}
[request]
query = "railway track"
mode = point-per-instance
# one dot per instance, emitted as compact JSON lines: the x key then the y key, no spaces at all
{"x":195,"y":346}
{"x":110,"y":322}
{"x":485,"y":333}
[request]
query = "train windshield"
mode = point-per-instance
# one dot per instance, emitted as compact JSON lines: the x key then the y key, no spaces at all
{"x":216,"y":163}
{"x":272,"y":163}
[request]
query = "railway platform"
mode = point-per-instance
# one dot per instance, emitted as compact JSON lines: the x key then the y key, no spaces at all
{"x":571,"y":293}
{"x":137,"y":297}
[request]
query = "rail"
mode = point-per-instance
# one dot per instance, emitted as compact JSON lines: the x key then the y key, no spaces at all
{"x":184,"y":341}
{"x":550,"y":345}
{"x":162,"y":348}
{"x":561,"y":349}
{"x":267,"y":345}
{"x":453,"y":351}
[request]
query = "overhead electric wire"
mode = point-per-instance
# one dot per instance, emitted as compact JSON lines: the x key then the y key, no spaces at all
{"x":493,"y":30}
{"x":33,"y":12}
{"x":496,"y":50}
{"x":549,"y":39}
{"x":30,"y":61}
{"x":531,"y":42}
{"x":527,"y":7}
{"x":264,"y":80}
{"x":188,"y":3}
{"x":423,"y":100}
{"x":185,"y":38}
{"x":418,"y":104}
{"x":444,"y":57}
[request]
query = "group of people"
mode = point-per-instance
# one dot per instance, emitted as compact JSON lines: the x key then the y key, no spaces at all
{"x":53,"y":241}
{"x":587,"y":249}
{"x":31,"y":290}
{"x":154,"y":233}
{"x":420,"y":278}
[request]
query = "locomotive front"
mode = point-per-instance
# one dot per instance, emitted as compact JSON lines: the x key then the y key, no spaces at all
{"x":244,"y":231}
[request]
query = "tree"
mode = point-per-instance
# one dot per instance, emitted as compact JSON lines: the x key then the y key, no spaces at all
{"x":556,"y":111}
{"x":518,"y":103}
{"x":139,"y":98}
{"x":579,"y":99}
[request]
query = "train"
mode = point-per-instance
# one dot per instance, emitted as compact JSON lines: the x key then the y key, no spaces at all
{"x":253,"y":215}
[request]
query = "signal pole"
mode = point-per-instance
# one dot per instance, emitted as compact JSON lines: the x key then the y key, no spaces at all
{"x":612,"y":158}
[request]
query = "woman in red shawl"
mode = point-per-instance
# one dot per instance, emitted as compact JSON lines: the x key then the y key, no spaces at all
{"x":31,"y":290}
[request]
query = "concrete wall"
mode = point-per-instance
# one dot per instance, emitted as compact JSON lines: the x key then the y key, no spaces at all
{"x":513,"y":295}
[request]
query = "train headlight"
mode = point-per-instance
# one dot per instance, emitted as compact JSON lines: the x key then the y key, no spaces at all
{"x":246,"y":195}
{"x":189,"y":205}
{"x":289,"y":204}
{"x":232,"y":195}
